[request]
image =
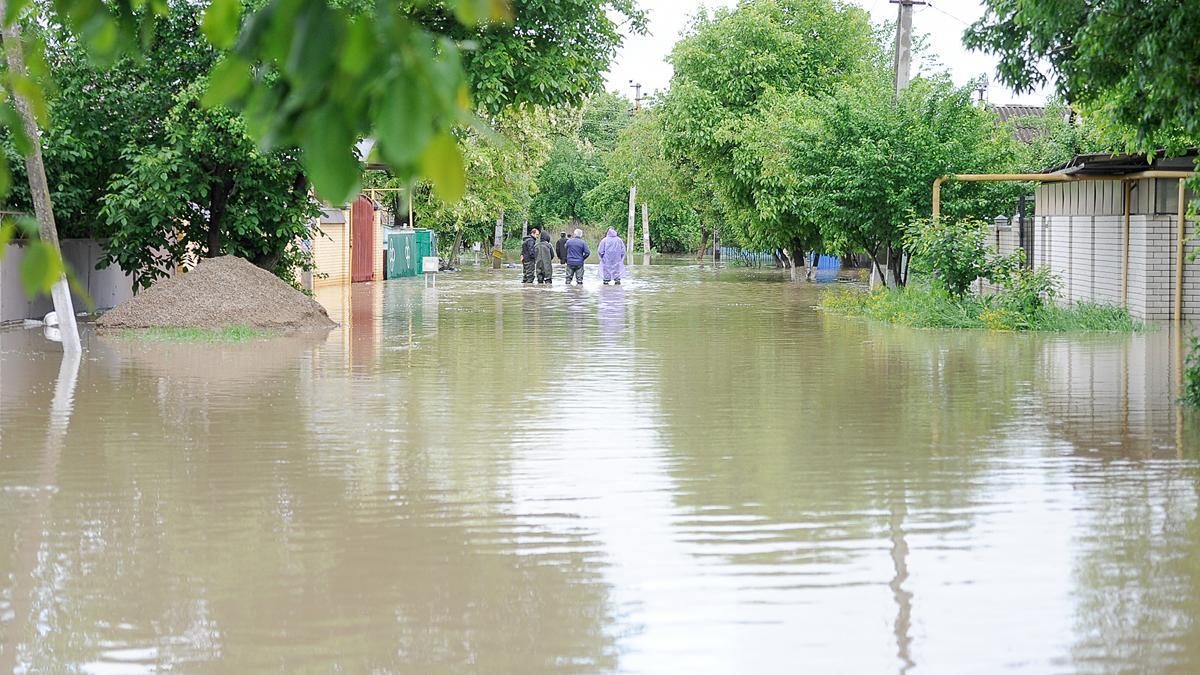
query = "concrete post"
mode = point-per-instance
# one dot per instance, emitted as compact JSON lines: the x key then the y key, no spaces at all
{"x":903,"y":56}
{"x":498,"y":243}
{"x":645,"y":229}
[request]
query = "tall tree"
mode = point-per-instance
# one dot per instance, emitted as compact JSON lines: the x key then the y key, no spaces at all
{"x":207,"y":190}
{"x":859,"y":164}
{"x":575,"y":163}
{"x":678,"y":197}
{"x":55,"y":276}
{"x":733,"y":63}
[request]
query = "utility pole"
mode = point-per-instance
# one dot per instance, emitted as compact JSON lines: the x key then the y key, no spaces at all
{"x":903,"y":60}
{"x":637,"y":107}
{"x":902,"y":65}
{"x":39,"y":187}
{"x":632,"y":216}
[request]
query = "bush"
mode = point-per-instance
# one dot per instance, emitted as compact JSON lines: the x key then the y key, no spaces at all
{"x":954,"y":253}
{"x":1191,"y":375}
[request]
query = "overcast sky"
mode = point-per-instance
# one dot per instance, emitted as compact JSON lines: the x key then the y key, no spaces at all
{"x":643,"y":58}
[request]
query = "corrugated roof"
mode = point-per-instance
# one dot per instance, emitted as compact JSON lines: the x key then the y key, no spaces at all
{"x":1024,"y":128}
{"x":1117,"y":164}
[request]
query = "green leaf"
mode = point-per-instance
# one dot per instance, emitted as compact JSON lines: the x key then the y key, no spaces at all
{"x":40,"y":269}
{"x":228,"y":82}
{"x":16,"y":127}
{"x":221,"y":21}
{"x":7,"y":230}
{"x":359,"y":49}
{"x":13,"y":10}
{"x":442,"y":164}
{"x":328,"y":155}
{"x":405,"y":124}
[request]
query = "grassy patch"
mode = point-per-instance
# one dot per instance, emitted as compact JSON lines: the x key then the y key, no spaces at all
{"x":230,"y":334}
{"x":930,"y":308}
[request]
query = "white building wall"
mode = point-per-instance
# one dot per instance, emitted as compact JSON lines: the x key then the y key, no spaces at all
{"x":1078,"y":235}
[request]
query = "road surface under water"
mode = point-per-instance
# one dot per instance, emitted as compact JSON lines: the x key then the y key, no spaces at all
{"x":693,"y":472}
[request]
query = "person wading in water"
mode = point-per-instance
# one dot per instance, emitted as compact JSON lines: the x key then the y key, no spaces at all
{"x":612,"y":258}
{"x":577,"y":253}
{"x":560,"y":248}
{"x":528,"y":252}
{"x":544,"y":260}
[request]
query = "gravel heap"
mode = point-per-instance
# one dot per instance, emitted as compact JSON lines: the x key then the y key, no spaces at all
{"x":219,"y":293}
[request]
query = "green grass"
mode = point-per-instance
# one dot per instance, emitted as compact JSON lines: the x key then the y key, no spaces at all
{"x":926,"y":308}
{"x":230,"y":334}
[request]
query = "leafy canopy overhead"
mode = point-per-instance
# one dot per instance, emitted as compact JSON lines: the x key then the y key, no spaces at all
{"x":312,"y":74}
{"x":320,"y":74}
{"x":1134,"y":62}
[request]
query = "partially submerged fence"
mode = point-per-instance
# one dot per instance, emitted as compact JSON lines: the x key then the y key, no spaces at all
{"x":768,"y":259}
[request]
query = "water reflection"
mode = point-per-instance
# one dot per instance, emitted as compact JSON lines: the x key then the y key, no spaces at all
{"x":691,"y":471}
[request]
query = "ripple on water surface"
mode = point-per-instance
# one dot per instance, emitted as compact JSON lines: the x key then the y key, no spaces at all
{"x":694,"y":471}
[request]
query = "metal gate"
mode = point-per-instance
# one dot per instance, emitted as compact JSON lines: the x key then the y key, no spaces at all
{"x":362,"y":240}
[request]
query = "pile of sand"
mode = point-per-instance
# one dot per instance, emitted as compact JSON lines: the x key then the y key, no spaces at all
{"x":219,"y":293}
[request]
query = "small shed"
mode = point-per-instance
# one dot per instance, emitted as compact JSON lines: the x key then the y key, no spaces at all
{"x":1114,"y":229}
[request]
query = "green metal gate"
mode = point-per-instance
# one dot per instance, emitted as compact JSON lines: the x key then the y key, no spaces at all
{"x":403,"y":260}
{"x":426,"y":247}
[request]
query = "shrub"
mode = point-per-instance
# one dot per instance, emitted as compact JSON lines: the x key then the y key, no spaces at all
{"x":954,"y":253}
{"x":1191,"y":375}
{"x":1023,"y":290}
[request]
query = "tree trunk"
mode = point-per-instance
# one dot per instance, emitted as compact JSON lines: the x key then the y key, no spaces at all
{"x":895,"y":263}
{"x":703,"y":243}
{"x":457,"y":248}
{"x":498,"y":243}
{"x":39,"y":186}
{"x":218,"y":204}
{"x":269,"y":261}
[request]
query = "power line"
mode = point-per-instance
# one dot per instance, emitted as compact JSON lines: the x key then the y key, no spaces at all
{"x":942,"y":11}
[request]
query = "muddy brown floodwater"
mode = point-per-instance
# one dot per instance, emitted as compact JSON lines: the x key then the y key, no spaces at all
{"x":693,"y":472}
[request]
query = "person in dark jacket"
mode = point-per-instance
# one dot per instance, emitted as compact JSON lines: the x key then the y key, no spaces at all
{"x":528,"y":256}
{"x":544,"y":260}
{"x":577,"y":253}
{"x":560,"y":248}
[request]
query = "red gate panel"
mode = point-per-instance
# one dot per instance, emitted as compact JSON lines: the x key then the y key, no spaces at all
{"x":362,"y":240}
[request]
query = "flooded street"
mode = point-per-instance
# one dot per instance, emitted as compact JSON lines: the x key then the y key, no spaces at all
{"x":693,"y":472}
